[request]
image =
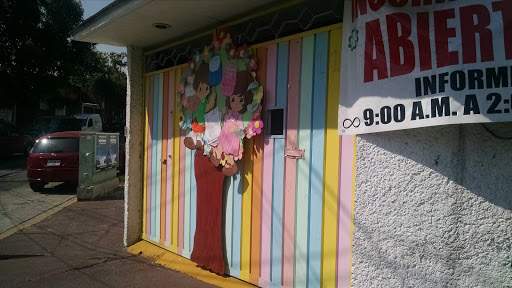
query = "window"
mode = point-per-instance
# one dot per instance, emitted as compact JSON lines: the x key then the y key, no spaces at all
{"x":89,"y":123}
{"x":56,"y":145}
{"x":275,"y":122}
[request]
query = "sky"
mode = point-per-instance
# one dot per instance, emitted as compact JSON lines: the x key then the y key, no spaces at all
{"x":90,"y":8}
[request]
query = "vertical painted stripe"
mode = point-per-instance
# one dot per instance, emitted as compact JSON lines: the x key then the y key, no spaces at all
{"x":181,"y":162}
{"x":292,"y":123}
{"x":268,"y":155}
{"x":168,"y":156}
{"x":228,"y":222}
{"x":331,"y":170}
{"x":303,"y":166}
{"x":256,"y":179}
{"x":246,"y":210}
{"x":237,"y":221}
{"x":150,"y":156}
{"x":266,"y":212}
{"x":145,"y":146}
{"x":154,"y":149}
{"x":158,"y":174}
{"x":277,"y":214}
{"x":278,"y":173}
{"x":193,"y":199}
{"x":186,"y":223}
{"x":317,"y":159}
{"x":154,"y":135}
{"x":346,"y":209}
{"x":163,"y":177}
{"x":178,"y":149}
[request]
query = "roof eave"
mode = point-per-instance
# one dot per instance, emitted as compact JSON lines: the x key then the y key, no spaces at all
{"x":114,"y":10}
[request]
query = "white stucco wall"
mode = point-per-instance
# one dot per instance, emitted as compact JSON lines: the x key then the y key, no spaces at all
{"x":433,"y":208}
{"x":134,"y":138}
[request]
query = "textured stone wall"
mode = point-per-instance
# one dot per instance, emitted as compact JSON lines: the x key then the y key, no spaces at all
{"x":134,"y":137}
{"x":433,"y":208}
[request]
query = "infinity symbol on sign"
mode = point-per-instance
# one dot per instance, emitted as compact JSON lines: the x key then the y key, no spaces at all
{"x":347,"y":123}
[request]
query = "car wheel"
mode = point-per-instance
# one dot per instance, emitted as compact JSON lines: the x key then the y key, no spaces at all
{"x":36,"y":186}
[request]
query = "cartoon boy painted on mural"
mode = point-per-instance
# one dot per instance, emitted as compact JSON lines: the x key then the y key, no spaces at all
{"x":205,"y":99}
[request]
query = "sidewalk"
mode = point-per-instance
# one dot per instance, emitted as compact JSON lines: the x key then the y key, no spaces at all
{"x":81,"y":246}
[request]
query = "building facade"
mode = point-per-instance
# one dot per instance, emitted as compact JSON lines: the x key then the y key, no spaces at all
{"x":425,"y":207}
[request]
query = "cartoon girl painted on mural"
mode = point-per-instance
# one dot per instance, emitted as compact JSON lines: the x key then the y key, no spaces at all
{"x":229,"y":148}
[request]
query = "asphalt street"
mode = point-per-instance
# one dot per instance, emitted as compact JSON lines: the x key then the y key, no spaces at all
{"x":18,"y":203}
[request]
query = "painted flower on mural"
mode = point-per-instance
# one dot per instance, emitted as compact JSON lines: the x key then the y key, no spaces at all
{"x":190,"y":79}
{"x":242,"y":51}
{"x":191,"y":64}
{"x":258,"y":125}
{"x":219,"y":39}
{"x":223,"y":159}
{"x":181,"y":88}
{"x":231,"y":53}
{"x":253,"y":128}
{"x":252,"y":64}
{"x":353,"y":39}
{"x":227,"y":41}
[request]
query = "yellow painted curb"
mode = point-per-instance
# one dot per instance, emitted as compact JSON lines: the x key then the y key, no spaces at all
{"x":175,"y":262}
{"x":37,"y":218}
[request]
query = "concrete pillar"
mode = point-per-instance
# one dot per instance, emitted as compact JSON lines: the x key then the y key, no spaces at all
{"x":133,"y":190}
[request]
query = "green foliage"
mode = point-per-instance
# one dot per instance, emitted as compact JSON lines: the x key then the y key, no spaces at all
{"x":39,"y":61}
{"x":35,"y":39}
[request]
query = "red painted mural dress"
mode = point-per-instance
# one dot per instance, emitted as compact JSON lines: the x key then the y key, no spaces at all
{"x":208,"y":250}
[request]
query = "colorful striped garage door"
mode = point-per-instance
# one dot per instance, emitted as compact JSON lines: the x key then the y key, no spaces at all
{"x":287,"y":221}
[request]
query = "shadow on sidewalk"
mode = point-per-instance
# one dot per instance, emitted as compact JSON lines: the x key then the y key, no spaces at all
{"x":81,"y":246}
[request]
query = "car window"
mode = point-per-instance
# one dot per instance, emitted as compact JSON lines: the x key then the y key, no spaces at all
{"x":89,"y":124}
{"x":56,"y":145}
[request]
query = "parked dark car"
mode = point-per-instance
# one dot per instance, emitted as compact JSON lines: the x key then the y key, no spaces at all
{"x":54,"y":158}
{"x":13,"y":141}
